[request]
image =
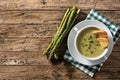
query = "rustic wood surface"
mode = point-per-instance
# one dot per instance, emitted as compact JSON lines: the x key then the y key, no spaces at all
{"x":26,"y":29}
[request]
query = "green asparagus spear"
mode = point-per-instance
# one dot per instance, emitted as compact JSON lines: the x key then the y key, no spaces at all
{"x":62,"y":37}
{"x":62,"y":22}
{"x":70,"y":22}
{"x":65,"y":26}
{"x":60,"y":31}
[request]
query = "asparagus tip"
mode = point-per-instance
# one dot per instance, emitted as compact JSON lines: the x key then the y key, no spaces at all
{"x":73,"y":7}
{"x":44,"y":52}
{"x":78,"y":11}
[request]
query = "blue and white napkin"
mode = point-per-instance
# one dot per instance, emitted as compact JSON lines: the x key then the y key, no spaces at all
{"x":115,"y":30}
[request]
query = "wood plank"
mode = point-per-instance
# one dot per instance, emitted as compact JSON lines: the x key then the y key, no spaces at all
{"x":24,"y":44}
{"x":58,"y":4}
{"x":109,"y":73}
{"x":28,"y":30}
{"x":24,"y":72}
{"x":32,"y":17}
{"x":23,"y":58}
{"x":46,"y":17}
{"x":116,"y":47}
{"x":53,"y":73}
{"x":36,"y":58}
{"x":113,"y":60}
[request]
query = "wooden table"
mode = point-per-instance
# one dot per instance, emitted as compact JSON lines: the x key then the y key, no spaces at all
{"x":26,"y":29}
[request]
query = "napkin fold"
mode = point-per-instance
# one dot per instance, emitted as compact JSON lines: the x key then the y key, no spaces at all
{"x":115,"y":30}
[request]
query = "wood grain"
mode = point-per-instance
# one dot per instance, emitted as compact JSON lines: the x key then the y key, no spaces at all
{"x":37,"y":58}
{"x":47,"y":17}
{"x":35,"y":17}
{"x":26,"y":29}
{"x":52,"y":73}
{"x":24,"y":44}
{"x":23,"y":58}
{"x":58,"y":5}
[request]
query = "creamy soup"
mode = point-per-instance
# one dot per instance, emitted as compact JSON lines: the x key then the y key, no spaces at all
{"x":87,"y":43}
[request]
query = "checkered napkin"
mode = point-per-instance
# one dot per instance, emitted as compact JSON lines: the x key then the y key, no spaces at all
{"x":115,"y":30}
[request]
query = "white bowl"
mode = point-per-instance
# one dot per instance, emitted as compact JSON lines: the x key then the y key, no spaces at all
{"x":72,"y":47}
{"x":75,"y":42}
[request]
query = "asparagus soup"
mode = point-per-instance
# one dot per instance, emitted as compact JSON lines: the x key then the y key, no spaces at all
{"x":87,"y":44}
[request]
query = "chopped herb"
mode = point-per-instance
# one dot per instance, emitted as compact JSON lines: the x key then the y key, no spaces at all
{"x":90,"y":38}
{"x":91,"y":41}
{"x":91,"y":52}
{"x":82,"y":44}
{"x":87,"y":50}
{"x":97,"y":44}
{"x":84,"y":39}
{"x":86,"y":45}
{"x":89,"y":46}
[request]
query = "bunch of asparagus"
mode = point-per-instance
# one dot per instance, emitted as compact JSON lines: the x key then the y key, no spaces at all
{"x":67,"y":22}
